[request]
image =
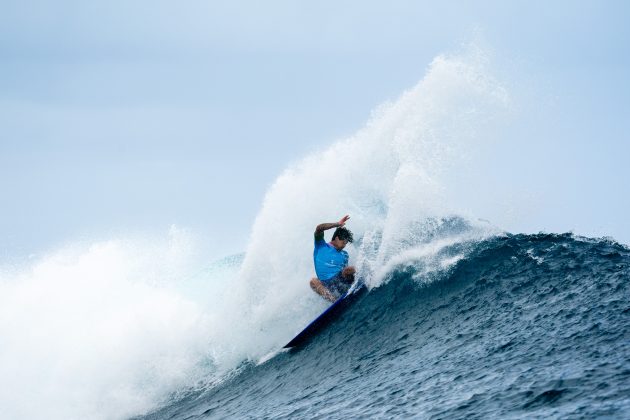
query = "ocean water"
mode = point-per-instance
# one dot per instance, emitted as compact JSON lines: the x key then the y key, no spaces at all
{"x":462,"y":319}
{"x":524,"y":326}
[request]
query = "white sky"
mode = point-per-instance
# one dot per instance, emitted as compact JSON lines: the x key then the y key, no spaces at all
{"x":125,"y":116}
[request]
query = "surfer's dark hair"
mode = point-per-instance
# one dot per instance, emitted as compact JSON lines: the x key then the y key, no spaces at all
{"x":343,"y":234}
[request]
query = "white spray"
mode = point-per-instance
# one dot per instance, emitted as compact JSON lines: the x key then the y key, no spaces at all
{"x":111,"y":329}
{"x":387,"y":177}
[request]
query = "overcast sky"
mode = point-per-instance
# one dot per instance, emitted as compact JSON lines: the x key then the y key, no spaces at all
{"x":123,"y":116}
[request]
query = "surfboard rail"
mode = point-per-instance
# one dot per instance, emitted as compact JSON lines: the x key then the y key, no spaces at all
{"x":324,"y":319}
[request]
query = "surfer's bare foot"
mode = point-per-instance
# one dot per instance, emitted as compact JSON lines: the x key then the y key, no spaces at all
{"x":321,"y":290}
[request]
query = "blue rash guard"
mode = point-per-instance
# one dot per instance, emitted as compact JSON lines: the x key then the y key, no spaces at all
{"x":328,"y":261}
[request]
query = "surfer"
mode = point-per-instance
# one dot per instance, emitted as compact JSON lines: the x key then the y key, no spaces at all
{"x":334,"y":276}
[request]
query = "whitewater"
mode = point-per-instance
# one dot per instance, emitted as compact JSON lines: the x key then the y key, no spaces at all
{"x":462,"y":319}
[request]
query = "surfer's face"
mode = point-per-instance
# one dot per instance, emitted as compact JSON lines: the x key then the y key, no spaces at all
{"x":339,"y":244}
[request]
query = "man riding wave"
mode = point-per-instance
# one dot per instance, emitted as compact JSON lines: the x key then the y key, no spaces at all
{"x":334,"y":276}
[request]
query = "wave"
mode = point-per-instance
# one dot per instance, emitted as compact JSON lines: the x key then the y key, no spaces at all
{"x":523,"y":325}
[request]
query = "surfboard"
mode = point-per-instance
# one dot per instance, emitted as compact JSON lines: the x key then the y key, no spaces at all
{"x":331,"y":313}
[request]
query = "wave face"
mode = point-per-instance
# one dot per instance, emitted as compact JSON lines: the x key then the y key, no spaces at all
{"x":523,"y":326}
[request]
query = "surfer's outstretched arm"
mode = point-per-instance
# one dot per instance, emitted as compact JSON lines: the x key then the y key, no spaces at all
{"x":325,"y":226}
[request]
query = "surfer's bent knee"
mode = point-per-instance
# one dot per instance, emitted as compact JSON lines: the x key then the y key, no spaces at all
{"x":348,"y":273}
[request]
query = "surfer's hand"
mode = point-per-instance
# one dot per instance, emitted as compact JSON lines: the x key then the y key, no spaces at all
{"x":343,"y":220}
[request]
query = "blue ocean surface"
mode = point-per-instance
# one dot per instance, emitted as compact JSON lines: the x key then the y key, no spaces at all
{"x":523,"y":326}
